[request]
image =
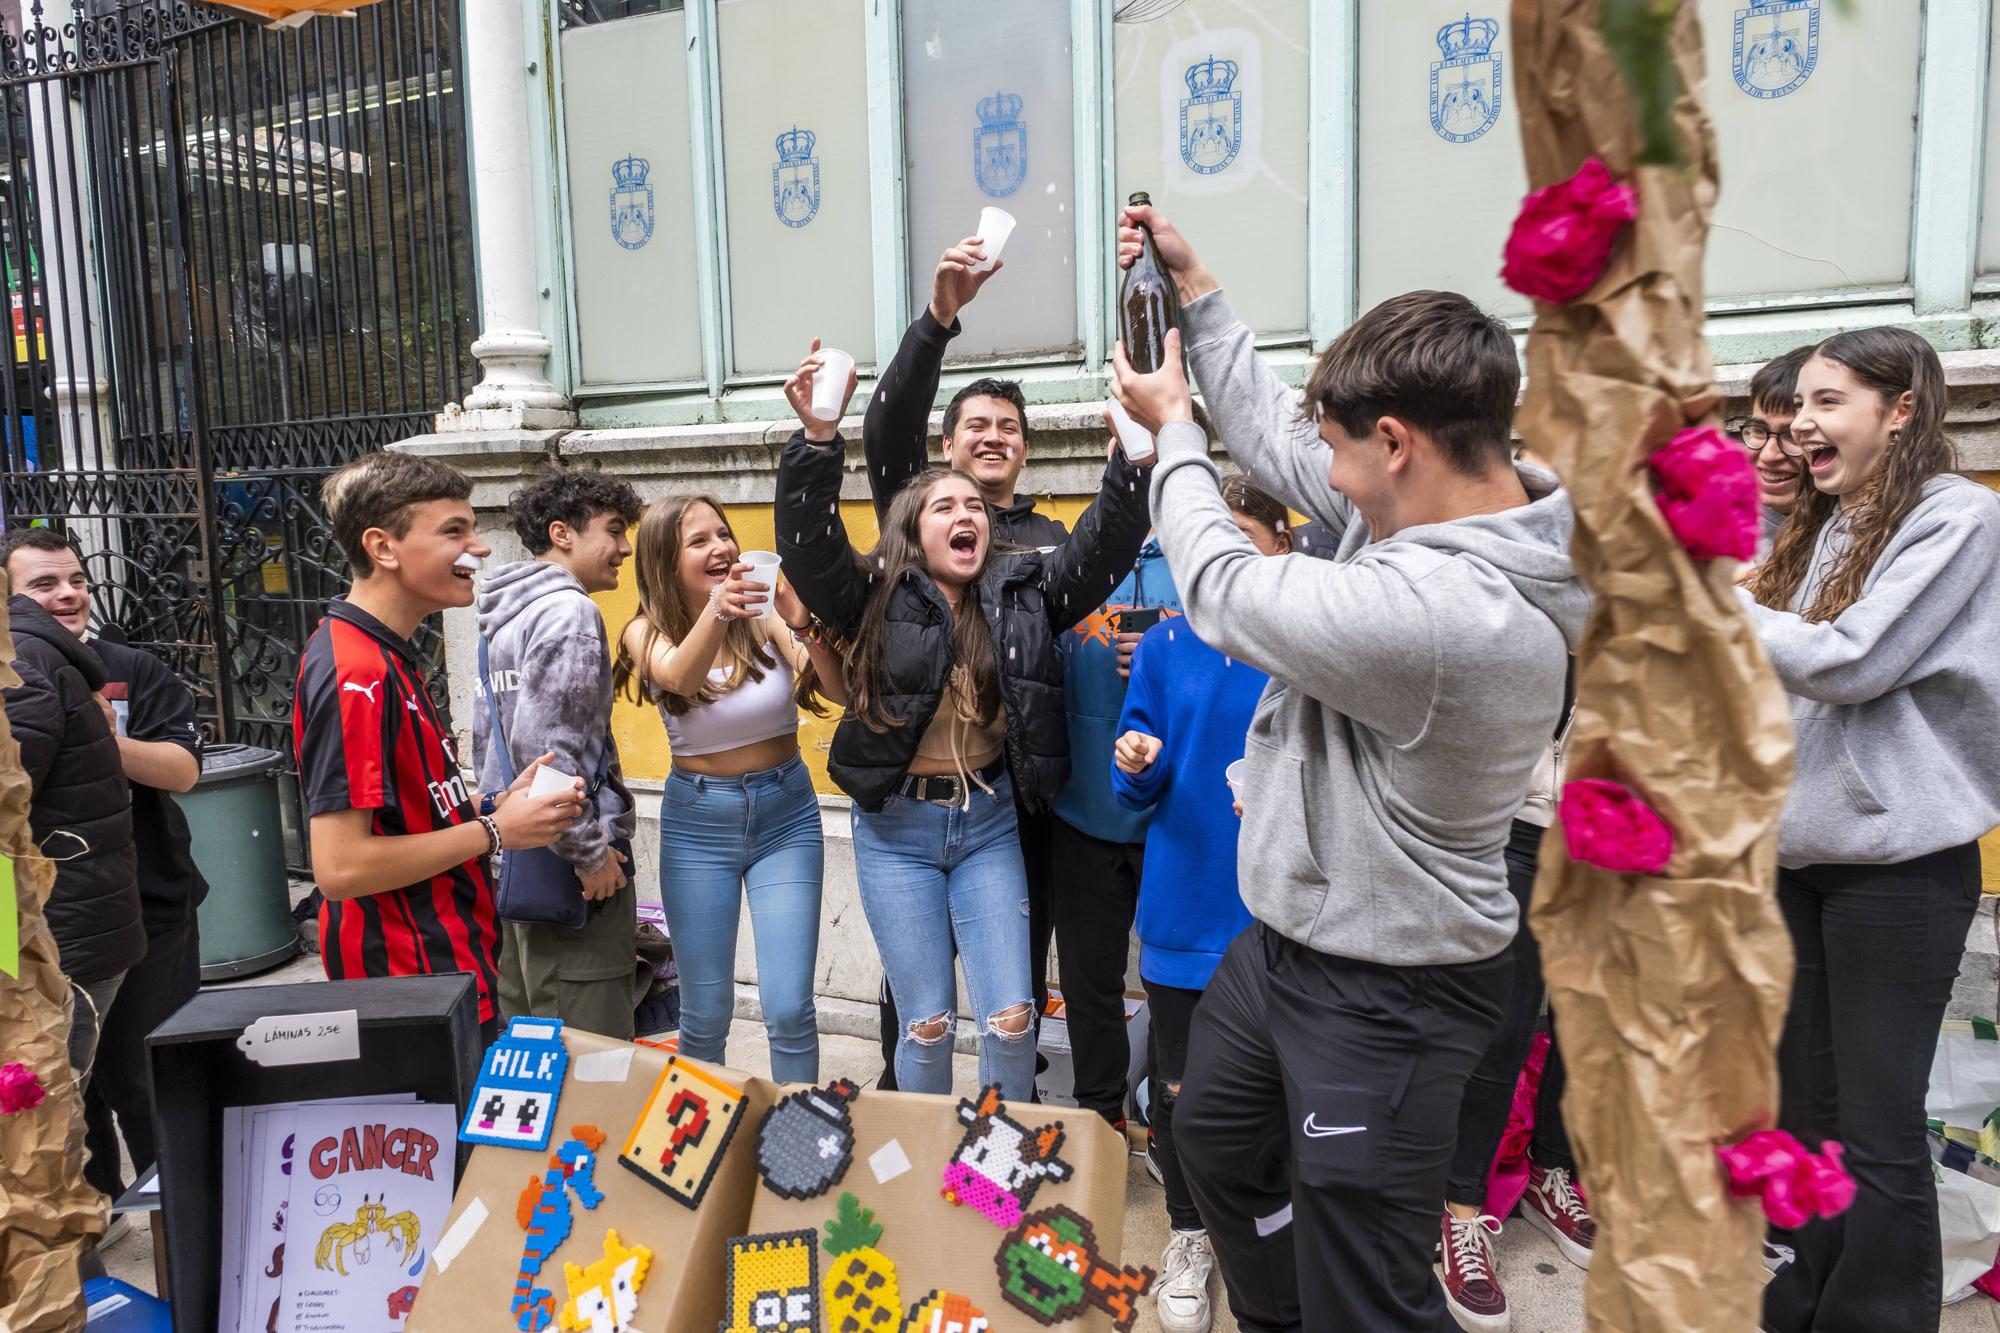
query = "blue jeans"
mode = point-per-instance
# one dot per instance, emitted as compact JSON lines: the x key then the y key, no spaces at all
{"x":931,"y":874}
{"x":758,"y":836}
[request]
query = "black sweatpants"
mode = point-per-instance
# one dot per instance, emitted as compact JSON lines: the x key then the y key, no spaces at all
{"x":1489,"y":1093}
{"x":121,"y":1084}
{"x":1170,"y":1011}
{"x":1315,"y":1126}
{"x":1878,"y":948}
{"x":1034,"y":831}
{"x":1094,"y":888}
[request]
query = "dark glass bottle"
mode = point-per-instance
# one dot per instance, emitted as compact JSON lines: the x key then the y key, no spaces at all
{"x":1148,"y":304}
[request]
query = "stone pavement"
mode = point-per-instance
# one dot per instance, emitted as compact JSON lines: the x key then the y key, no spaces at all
{"x":1544,"y":1289}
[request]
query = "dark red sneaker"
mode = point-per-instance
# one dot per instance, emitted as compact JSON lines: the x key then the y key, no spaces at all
{"x":1554,"y":1204}
{"x":1465,"y":1271}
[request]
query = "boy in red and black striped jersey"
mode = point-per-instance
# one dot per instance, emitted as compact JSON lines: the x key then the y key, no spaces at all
{"x":399,"y":851}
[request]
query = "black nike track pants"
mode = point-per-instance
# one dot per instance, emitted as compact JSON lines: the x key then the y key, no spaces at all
{"x":1316,"y":1124}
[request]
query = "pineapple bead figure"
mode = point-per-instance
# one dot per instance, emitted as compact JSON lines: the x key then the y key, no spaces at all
{"x":860,"y":1283}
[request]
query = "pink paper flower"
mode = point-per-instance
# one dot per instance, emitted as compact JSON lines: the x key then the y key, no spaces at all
{"x":1793,"y":1183}
{"x":1708,"y":494}
{"x":1606,"y":825}
{"x":20,"y":1088}
{"x":1563,"y":235}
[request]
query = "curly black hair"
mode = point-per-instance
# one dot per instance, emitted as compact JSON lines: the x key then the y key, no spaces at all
{"x":572,"y":495}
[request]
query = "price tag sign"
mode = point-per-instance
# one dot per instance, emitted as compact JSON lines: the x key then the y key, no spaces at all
{"x":302,"y":1039}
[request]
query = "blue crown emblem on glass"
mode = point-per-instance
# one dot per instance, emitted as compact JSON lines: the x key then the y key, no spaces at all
{"x":631,"y":202}
{"x":1468,"y":39}
{"x":796,"y":145}
{"x":1775,"y":47}
{"x":1211,"y":78}
{"x":1211,"y":116}
{"x":1000,"y":145}
{"x":795,"y":178}
{"x":1465,"y":80}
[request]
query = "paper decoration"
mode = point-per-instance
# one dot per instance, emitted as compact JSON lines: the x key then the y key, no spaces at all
{"x":1793,"y":1183}
{"x":514,"y":1102}
{"x":20,"y":1088}
{"x":773,"y":1284}
{"x":860,"y":1283}
{"x":1708,"y":494}
{"x":805,"y":1142}
{"x":1050,"y":1270}
{"x":999,"y":1164}
{"x":1563,"y":236}
{"x":604,"y":1297}
{"x":680,"y":1137}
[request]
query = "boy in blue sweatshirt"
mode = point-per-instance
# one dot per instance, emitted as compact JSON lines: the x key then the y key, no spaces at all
{"x":1097,"y":846}
{"x":1185,"y":716}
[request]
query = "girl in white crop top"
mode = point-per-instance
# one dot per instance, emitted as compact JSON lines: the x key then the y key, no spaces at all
{"x":730,"y":667}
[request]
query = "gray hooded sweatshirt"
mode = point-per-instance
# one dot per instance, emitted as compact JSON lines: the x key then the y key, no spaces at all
{"x":1415,"y":681}
{"x":1896,"y":701}
{"x":551,"y":671}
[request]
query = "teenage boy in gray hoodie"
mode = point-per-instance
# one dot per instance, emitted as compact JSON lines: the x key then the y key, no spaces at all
{"x":1415,"y":680}
{"x":550,"y":666}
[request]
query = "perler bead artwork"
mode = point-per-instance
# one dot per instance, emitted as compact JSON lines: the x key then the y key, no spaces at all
{"x":1050,"y":1271}
{"x":604,"y":1296}
{"x":773,"y":1284}
{"x":514,"y":1102}
{"x":680,"y":1137}
{"x":860,"y":1282}
{"x":544,"y":1210}
{"x":805,"y":1142}
{"x":999,"y":1164}
{"x":945,"y":1312}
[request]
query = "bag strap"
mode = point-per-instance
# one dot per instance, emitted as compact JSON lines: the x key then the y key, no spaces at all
{"x":507,"y":770}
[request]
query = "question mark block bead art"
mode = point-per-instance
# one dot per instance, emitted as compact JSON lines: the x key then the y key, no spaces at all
{"x":514,"y":1102}
{"x":679,"y":1139}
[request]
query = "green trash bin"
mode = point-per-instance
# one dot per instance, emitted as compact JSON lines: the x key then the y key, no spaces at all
{"x":239,"y":843}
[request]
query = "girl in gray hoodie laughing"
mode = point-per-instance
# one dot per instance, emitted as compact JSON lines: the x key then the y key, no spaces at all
{"x":1879,"y":607}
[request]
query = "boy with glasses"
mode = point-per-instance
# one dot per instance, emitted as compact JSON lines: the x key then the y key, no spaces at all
{"x":1767,"y":435}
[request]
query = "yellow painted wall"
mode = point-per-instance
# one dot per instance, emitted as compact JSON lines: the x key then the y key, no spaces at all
{"x":642,"y":736}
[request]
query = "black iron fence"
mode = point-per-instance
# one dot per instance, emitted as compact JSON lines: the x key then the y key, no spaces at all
{"x":237,"y":257}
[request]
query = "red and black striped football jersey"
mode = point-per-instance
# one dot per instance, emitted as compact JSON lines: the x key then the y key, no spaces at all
{"x":369,"y":738}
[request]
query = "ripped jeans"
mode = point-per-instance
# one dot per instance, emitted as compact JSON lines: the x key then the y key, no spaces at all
{"x":931,"y":874}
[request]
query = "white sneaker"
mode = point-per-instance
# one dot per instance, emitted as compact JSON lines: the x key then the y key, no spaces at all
{"x":1182,"y":1300}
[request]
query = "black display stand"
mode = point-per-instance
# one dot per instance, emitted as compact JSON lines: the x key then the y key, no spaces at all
{"x":418,"y":1035}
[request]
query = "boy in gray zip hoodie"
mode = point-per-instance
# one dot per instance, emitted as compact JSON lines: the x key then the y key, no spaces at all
{"x":550,"y":666}
{"x":1416,"y":679}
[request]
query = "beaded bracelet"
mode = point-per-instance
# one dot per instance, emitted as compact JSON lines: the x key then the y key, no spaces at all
{"x":493,"y":844}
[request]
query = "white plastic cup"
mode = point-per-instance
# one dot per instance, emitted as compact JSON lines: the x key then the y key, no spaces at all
{"x":1133,"y":438}
{"x":995,"y":226}
{"x":830,"y":385}
{"x":1235,"y":773}
{"x":550,"y":781}
{"x":763,"y":569}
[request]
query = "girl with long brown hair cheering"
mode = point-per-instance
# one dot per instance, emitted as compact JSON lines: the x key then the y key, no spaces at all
{"x":955,"y":692}
{"x":1879,"y":607}
{"x":729,"y":664}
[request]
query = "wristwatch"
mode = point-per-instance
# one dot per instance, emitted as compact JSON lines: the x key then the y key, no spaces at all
{"x":489,"y":801}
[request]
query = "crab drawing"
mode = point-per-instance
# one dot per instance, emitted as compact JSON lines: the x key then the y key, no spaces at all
{"x":372,"y":1216}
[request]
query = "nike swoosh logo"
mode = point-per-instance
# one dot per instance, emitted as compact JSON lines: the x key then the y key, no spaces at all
{"x":1314,"y":1131}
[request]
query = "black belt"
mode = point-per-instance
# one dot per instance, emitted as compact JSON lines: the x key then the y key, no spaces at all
{"x":946,"y":786}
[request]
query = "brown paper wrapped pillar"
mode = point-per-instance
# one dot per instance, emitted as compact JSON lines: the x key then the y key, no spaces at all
{"x":48,"y":1215}
{"x":1669,"y":992}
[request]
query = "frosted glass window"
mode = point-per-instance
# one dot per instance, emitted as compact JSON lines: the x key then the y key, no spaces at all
{"x":1212,"y":123}
{"x":795,"y":176}
{"x":1989,"y":225}
{"x":625,"y":115}
{"x":988,"y":121}
{"x":1806,"y":92}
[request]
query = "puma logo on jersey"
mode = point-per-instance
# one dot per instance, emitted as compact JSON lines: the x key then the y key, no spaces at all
{"x":359,"y":688}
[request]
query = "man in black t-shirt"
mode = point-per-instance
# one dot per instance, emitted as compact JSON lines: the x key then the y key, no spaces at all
{"x":152,"y":713}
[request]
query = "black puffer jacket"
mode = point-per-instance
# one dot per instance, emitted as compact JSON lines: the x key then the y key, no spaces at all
{"x":1037,"y":595}
{"x":81,"y":810}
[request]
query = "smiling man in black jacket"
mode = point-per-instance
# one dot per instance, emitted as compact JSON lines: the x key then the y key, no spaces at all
{"x":80,"y":814}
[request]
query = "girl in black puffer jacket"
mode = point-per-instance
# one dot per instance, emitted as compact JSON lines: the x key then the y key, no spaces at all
{"x":955,"y":697}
